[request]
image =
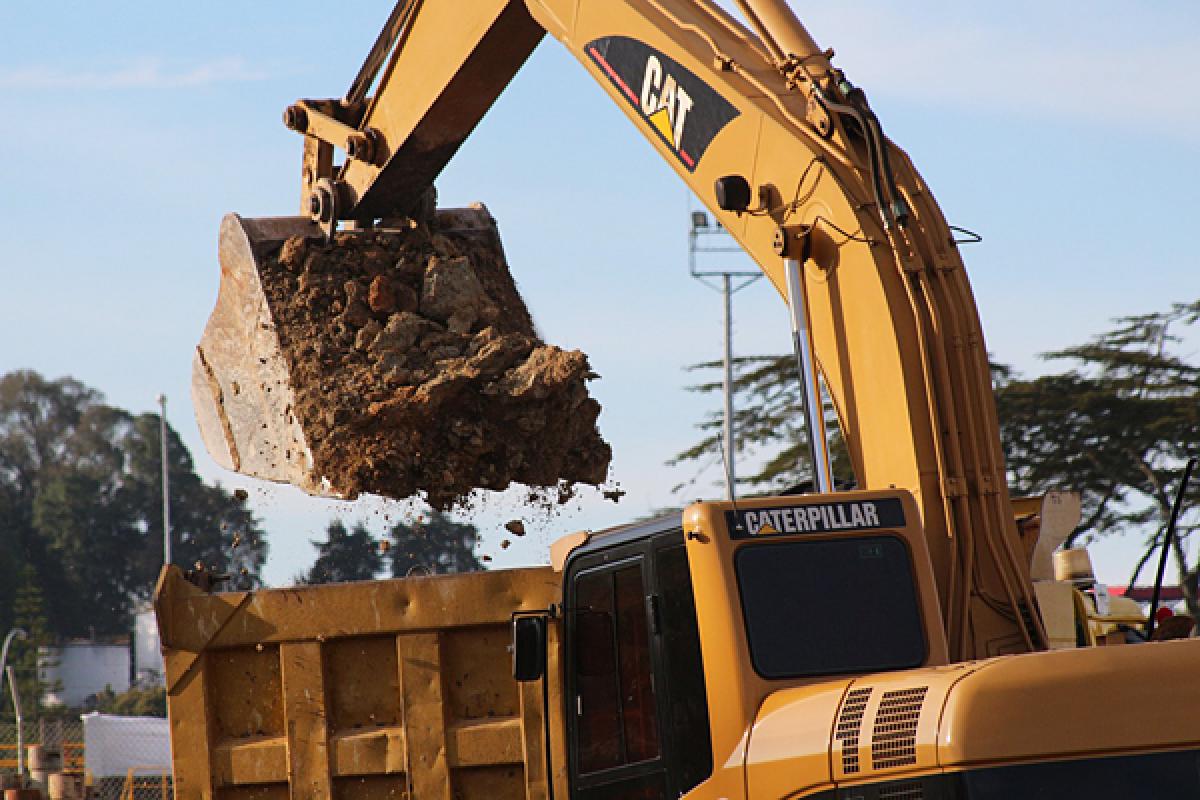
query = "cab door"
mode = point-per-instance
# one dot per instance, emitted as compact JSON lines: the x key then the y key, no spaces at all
{"x":636,"y":707}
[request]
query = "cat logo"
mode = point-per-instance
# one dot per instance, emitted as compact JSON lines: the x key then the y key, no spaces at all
{"x":684,"y":111}
{"x":665,"y":103}
{"x":816,"y":517}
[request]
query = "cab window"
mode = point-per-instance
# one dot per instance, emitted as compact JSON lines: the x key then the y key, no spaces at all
{"x":615,"y":703}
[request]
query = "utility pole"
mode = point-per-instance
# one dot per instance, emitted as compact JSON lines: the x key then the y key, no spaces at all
{"x":701,"y":242}
{"x":166,"y":494}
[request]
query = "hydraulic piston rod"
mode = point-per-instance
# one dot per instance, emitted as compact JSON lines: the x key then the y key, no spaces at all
{"x":810,"y":388}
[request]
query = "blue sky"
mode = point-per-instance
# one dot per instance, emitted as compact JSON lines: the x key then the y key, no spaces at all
{"x":1068,"y":139}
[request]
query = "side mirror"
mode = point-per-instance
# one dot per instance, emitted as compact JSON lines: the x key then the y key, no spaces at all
{"x":529,"y":648}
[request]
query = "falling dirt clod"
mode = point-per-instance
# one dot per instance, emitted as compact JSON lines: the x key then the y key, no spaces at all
{"x":416,"y":368}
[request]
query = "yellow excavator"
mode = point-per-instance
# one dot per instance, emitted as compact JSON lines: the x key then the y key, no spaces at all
{"x":901,"y":640}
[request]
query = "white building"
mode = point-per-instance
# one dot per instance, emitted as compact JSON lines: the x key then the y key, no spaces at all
{"x":76,"y":670}
{"x":147,"y":649}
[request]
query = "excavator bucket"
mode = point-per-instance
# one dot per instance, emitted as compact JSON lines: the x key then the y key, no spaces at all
{"x":241,"y":391}
{"x":392,"y":361}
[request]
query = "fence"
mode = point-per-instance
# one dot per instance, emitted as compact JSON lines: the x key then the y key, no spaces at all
{"x":62,"y":735}
{"x":113,"y":758}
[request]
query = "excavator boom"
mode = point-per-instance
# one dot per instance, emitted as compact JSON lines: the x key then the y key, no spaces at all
{"x":787,"y":153}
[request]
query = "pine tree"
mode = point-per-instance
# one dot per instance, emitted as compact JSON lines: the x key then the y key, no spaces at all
{"x":29,"y":614}
{"x":769,"y":423}
{"x":345,"y":556}
{"x":435,"y":545}
{"x":1118,"y":427}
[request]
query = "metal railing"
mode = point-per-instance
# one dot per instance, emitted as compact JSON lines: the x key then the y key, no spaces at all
{"x":147,"y":783}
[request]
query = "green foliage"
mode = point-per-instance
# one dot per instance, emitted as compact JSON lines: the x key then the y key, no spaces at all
{"x":434,"y":545}
{"x":768,"y":419}
{"x":80,"y":505}
{"x":29,"y":614}
{"x":345,"y":556}
{"x":148,"y":702}
{"x":1118,"y":427}
{"x":430,"y":545}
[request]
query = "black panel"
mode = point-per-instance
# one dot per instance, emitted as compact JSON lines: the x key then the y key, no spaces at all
{"x":1153,"y":776}
{"x":682,"y":110}
{"x":830,"y":607}
{"x":684,"y":669}
{"x":1157,"y":776}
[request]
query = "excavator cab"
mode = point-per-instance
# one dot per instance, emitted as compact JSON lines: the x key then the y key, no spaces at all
{"x":676,"y":629}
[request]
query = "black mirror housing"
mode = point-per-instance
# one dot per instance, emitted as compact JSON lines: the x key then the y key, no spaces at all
{"x":529,"y":648}
{"x":733,"y":193}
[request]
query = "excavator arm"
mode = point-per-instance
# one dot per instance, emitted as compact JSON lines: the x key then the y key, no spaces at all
{"x":788,"y":155}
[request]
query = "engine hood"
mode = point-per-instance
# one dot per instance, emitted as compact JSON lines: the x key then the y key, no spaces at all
{"x":1011,"y":710}
{"x":1103,"y":700}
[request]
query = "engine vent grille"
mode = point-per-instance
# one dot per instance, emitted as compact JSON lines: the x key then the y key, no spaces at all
{"x":849,"y":727}
{"x":913,"y":790}
{"x":894,"y":738}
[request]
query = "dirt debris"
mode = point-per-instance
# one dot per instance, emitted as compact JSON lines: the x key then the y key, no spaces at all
{"x":417,"y":369}
{"x":515,"y":526}
{"x":615,"y":494}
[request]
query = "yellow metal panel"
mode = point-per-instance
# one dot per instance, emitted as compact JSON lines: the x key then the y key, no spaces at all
{"x":1054,"y":704}
{"x":492,"y":783}
{"x":371,"y":787}
{"x":735,"y":691}
{"x":484,"y":742}
{"x":278,"y":791}
{"x":199,"y":620}
{"x":789,"y":747}
{"x":363,"y":683}
{"x":238,"y":763}
{"x":425,"y":716}
{"x":477,"y":675}
{"x":555,"y":673}
{"x":307,"y":726}
{"x":892,"y":745}
{"x":450,"y":67}
{"x":343,"y":676}
{"x":533,"y":740}
{"x":246,"y":684}
{"x":369,"y":752}
{"x":191,"y":733}
{"x":1056,"y":603}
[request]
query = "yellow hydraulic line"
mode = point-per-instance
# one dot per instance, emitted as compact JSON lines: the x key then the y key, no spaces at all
{"x":986,"y":516}
{"x":985,"y":459}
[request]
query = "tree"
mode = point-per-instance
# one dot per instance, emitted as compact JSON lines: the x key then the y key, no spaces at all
{"x":29,"y":614}
{"x":136,"y":702}
{"x":435,"y":545}
{"x":769,"y":419}
{"x":1117,"y":426}
{"x":80,"y":504}
{"x":345,"y":556}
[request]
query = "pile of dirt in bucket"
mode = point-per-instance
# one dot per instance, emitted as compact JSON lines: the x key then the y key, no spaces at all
{"x":416,"y":367}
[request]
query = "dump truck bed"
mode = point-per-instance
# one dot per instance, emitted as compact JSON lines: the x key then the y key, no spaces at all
{"x":380,"y":689}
